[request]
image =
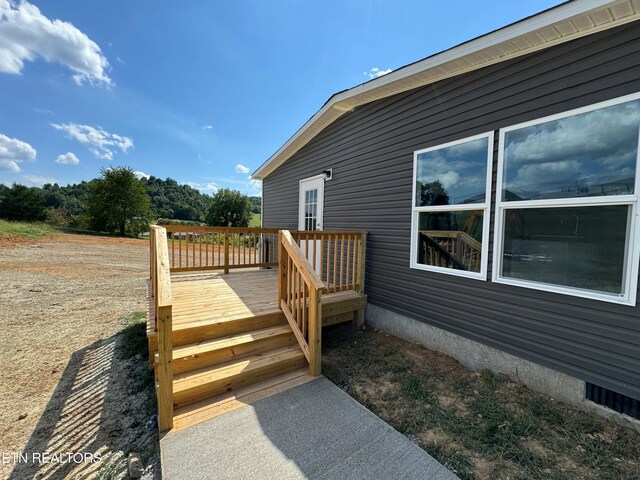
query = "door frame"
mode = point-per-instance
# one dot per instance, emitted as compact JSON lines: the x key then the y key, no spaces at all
{"x":320,"y":212}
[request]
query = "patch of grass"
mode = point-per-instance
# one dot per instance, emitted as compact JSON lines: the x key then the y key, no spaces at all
{"x":455,"y":461}
{"x":133,"y":338}
{"x":412,"y":386}
{"x":26,"y":230}
{"x":256,"y":220}
{"x":479,"y":425}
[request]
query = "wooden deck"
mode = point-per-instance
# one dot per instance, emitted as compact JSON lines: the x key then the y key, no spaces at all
{"x":232,"y":343}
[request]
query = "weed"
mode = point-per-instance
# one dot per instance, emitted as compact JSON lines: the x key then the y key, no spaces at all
{"x":133,"y":338}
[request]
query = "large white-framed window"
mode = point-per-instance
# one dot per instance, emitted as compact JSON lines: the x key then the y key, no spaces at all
{"x":450,"y":207}
{"x":567,"y":202}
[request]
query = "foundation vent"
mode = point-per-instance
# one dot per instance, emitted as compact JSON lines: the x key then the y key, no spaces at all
{"x":613,"y":400}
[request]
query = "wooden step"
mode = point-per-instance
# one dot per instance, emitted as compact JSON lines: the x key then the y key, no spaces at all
{"x":196,"y":355}
{"x":195,"y":385}
{"x":220,"y":404}
{"x":192,"y":332}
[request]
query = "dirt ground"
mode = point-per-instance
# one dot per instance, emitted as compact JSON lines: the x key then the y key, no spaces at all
{"x":63,"y":388}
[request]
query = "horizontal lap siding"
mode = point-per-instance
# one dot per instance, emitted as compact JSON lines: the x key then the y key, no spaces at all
{"x":371,"y":152}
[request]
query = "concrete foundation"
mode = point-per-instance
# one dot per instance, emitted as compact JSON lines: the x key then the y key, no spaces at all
{"x":477,"y":356}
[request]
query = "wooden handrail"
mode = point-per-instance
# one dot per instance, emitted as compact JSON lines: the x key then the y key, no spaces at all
{"x":300,"y":298}
{"x":194,"y":248}
{"x":337,"y":256}
{"x":161,"y":291}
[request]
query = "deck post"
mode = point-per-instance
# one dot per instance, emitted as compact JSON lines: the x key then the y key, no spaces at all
{"x":282,"y":270}
{"x":362,"y":253}
{"x":164,"y":368}
{"x":315,"y":332}
{"x":226,"y":250}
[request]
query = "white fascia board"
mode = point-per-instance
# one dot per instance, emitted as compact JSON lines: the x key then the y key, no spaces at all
{"x":344,"y":101}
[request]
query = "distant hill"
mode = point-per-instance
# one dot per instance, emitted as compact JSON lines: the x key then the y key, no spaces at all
{"x":169,"y":199}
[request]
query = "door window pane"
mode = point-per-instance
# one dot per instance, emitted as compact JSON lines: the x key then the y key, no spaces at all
{"x":451,"y":239}
{"x":586,"y":155}
{"x":580,"y":247}
{"x":310,"y":209}
{"x":452,"y":175}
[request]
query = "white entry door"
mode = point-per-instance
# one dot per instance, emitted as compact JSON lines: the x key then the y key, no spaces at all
{"x":310,"y":216}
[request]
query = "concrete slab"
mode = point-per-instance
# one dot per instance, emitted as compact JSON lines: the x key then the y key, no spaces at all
{"x":313,"y":431}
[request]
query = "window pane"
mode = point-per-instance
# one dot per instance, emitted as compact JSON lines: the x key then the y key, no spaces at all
{"x":450,"y":239}
{"x":452,"y":175}
{"x":585,"y":155}
{"x":581,"y":247}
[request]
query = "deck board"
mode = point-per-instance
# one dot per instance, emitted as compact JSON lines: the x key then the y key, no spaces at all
{"x":220,"y":297}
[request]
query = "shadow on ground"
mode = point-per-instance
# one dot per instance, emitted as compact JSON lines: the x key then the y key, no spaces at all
{"x":98,"y":410}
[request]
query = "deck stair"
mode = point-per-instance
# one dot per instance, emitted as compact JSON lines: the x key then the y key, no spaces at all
{"x":220,"y":340}
{"x":216,"y":363}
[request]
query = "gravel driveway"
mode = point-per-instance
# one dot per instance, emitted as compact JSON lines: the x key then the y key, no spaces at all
{"x":61,"y":302}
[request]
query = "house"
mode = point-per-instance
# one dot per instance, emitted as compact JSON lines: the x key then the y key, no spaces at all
{"x":498,"y":185}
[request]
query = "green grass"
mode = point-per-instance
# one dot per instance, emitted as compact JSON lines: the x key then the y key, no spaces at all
{"x":256,"y":220}
{"x":133,"y":337}
{"x":479,"y":425}
{"x":26,"y":230}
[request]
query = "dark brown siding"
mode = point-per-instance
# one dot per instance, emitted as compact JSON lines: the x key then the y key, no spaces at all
{"x":371,"y":152}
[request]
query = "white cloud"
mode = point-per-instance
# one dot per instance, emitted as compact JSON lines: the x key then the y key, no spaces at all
{"x":13,"y":152}
{"x":67,"y":159}
{"x":204,"y":187}
{"x":574,"y":152}
{"x":43,"y":111}
{"x":375,"y":72}
{"x":207,"y":127}
{"x":26,"y":34}
{"x":38,"y":180}
{"x":102,"y":143}
{"x":140,"y":175}
{"x":241,"y":168}
{"x":256,"y":186}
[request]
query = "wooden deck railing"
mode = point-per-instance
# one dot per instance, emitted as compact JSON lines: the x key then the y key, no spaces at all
{"x":221,"y":248}
{"x":300,"y":298}
{"x":163,"y":306}
{"x":338,"y":257}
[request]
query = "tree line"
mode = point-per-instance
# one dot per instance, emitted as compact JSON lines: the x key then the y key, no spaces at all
{"x":119,"y":202}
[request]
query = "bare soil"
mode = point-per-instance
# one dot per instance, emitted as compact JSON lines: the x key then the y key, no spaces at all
{"x":477,"y":425}
{"x":66,"y":385}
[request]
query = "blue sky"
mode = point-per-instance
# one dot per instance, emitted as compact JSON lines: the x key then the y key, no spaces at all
{"x":202,"y":92}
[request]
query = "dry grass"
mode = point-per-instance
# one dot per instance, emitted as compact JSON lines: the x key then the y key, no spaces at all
{"x":476,"y":425}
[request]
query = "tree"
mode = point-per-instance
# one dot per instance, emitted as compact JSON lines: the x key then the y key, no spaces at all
{"x":22,"y":203}
{"x":433,"y":194}
{"x":229,"y":208}
{"x":256,"y":204}
{"x":118,"y":199}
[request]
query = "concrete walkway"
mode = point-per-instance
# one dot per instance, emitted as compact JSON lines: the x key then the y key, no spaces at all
{"x":313,"y":431}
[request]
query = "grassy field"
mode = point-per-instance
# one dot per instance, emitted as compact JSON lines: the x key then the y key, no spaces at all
{"x":26,"y":230}
{"x":256,"y":219}
{"x":478,"y":425}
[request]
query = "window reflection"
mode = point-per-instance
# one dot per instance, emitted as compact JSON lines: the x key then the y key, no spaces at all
{"x":584,"y":155}
{"x":451,"y":239}
{"x":452,"y":175}
{"x":581,"y":247}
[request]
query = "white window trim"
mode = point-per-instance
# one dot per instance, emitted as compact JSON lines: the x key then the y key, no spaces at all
{"x":485,"y":207}
{"x":632,"y":254}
